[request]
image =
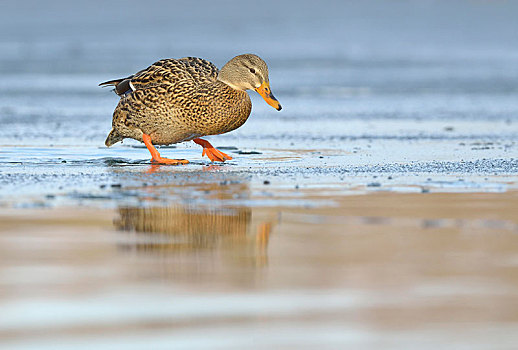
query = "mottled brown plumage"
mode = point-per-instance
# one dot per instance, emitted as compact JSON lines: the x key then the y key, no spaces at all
{"x":177,"y":100}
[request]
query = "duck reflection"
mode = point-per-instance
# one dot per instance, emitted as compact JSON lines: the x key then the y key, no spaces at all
{"x":206,"y":216}
{"x":174,"y":229}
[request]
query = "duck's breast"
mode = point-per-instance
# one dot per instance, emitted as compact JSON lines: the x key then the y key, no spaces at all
{"x":224,"y":109}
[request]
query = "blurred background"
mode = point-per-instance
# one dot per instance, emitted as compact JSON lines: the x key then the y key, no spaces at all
{"x":331,"y":59}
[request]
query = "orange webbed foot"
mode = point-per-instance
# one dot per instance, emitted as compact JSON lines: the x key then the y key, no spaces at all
{"x":161,"y":160}
{"x":211,"y":152}
{"x":215,"y":155}
{"x":156,"y":157}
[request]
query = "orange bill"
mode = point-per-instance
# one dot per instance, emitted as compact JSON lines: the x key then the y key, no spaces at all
{"x":266,"y":93}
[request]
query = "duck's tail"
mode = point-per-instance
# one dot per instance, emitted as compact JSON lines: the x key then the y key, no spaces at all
{"x":112,"y":82}
{"x":122,"y":86}
{"x":113,"y":138}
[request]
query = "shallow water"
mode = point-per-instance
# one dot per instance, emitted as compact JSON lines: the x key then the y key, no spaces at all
{"x":376,"y":210}
{"x":391,"y":269}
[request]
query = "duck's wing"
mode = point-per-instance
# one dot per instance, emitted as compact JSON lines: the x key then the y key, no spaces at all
{"x":188,"y":70}
{"x":201,"y":70}
{"x":191,"y":71}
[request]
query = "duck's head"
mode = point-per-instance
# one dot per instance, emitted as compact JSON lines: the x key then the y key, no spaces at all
{"x":249,"y":72}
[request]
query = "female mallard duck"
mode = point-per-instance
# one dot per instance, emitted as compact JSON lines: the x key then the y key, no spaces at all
{"x":177,"y":100}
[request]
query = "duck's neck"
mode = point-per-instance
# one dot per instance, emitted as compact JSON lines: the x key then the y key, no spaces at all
{"x":228,"y":76}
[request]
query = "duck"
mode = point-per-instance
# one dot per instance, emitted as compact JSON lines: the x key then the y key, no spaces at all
{"x":180,"y":100}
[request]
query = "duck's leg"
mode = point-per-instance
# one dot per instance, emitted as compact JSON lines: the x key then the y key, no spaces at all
{"x":211,"y":152}
{"x":157,"y":158}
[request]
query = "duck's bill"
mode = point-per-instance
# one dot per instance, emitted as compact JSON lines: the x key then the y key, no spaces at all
{"x":266,"y":93}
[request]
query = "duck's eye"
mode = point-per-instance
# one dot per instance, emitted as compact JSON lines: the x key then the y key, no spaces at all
{"x":252,"y":70}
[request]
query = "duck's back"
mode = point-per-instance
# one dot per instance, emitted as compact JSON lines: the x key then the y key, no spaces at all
{"x":175,"y":100}
{"x":191,"y":70}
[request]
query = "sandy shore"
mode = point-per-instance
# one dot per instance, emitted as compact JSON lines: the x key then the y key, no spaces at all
{"x":389,"y":267}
